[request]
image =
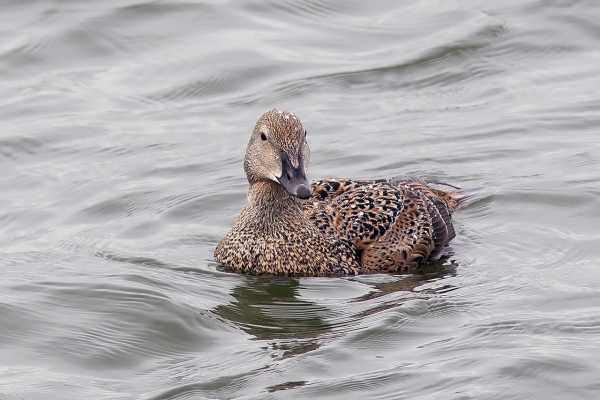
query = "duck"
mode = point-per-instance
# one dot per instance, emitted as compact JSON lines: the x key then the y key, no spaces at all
{"x":331,"y":227}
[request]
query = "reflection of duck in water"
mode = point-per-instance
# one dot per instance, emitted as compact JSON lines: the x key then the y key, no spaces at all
{"x":277,"y":308}
{"x":271,"y":308}
{"x":333,"y":226}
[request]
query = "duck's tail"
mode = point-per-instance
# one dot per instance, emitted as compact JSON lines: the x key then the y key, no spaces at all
{"x":464,"y":197}
{"x":456,"y":197}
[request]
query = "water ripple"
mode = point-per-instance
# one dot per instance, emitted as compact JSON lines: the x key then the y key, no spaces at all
{"x":124,"y":126}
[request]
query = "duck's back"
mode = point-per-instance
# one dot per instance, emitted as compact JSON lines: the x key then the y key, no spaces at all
{"x":397,"y":224}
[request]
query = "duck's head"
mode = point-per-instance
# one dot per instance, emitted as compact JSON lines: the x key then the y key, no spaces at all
{"x":278,"y":151}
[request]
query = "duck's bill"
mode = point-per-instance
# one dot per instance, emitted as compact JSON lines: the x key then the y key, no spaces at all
{"x":296,"y":187}
{"x":294,"y":179}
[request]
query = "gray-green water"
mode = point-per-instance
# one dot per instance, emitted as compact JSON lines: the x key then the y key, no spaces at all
{"x":123,"y":126}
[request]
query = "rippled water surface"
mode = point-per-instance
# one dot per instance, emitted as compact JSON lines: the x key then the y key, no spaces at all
{"x":123,"y":129}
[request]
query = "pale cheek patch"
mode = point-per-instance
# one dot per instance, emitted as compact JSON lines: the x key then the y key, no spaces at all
{"x":275,"y":169}
{"x":295,"y":162}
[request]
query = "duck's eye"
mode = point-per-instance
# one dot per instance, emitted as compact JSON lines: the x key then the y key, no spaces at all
{"x":305,"y":133}
{"x":263,"y":136}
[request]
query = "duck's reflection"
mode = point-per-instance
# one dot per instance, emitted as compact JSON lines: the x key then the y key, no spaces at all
{"x":410,"y":282}
{"x":272,"y":309}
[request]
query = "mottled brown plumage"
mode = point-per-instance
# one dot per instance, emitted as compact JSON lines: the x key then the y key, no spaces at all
{"x":333,"y":226}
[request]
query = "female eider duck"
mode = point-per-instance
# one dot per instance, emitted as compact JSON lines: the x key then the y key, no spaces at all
{"x":333,"y":226}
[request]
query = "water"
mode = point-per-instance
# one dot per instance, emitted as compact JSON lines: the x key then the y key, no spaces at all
{"x":123,"y":129}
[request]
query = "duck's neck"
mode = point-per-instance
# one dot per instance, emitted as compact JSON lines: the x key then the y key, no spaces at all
{"x":269,"y":202}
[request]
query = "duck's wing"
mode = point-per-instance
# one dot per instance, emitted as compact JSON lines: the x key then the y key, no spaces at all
{"x":396,"y":225}
{"x":328,"y":189}
{"x":319,"y":207}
